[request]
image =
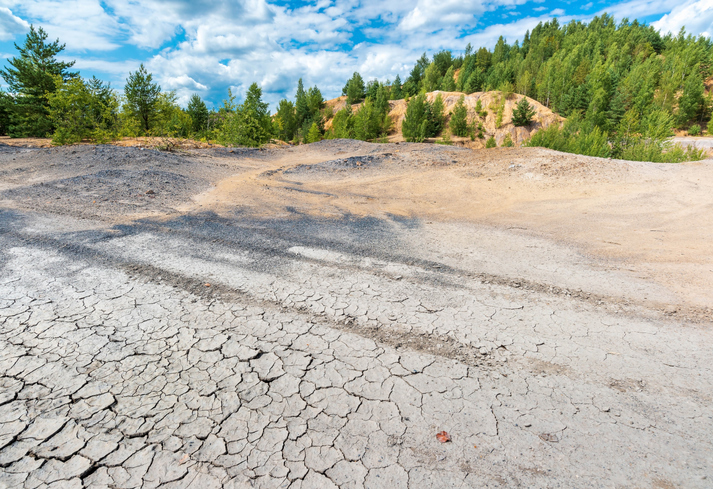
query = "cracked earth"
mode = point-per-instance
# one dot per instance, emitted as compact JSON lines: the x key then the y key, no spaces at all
{"x":205,"y":345}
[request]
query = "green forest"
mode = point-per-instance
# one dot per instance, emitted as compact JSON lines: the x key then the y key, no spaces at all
{"x":623,"y":88}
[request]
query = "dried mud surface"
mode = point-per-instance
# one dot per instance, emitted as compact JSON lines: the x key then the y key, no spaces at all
{"x":313,"y":316}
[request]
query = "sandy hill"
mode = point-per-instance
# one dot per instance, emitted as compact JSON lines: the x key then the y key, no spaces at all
{"x":489,"y":102}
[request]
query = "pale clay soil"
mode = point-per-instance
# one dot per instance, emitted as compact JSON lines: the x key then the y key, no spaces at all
{"x":312,"y":316}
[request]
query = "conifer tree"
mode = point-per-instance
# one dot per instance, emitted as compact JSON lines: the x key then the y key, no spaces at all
{"x":413,"y":127}
{"x":142,"y":96}
{"x":449,"y":83}
{"x":199,"y":114}
{"x":523,"y":113}
{"x":301,"y":104}
{"x":30,"y":77}
{"x":437,"y":118}
{"x":286,"y":120}
{"x":459,"y":118}
{"x":314,"y":134}
{"x":354,"y":89}
{"x":396,"y":92}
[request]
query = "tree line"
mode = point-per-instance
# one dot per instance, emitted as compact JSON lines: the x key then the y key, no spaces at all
{"x":45,"y":98}
{"x":623,"y":88}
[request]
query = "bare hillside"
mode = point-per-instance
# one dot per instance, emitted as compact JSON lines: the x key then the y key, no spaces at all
{"x":489,"y":101}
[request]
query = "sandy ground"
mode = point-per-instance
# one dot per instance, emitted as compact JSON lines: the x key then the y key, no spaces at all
{"x":312,"y":316}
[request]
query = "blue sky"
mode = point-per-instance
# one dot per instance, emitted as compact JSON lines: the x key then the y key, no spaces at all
{"x":208,"y":46}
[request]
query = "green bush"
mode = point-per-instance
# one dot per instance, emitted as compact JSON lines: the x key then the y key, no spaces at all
{"x":507,"y":142}
{"x":648,"y":141}
{"x":490,"y":143}
{"x":83,"y":110}
{"x":572,"y":138}
{"x":694,"y":130}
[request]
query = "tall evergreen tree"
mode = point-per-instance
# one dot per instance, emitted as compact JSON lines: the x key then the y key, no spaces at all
{"x":396,"y":92}
{"x":250,"y":124}
{"x":449,"y":83}
{"x":30,"y":77}
{"x":301,"y":104}
{"x":199,"y":114}
{"x":459,"y":118}
{"x":142,"y":96}
{"x":6,"y":106}
{"x":415,"y":122}
{"x":354,"y":89}
{"x":437,"y":117}
{"x":286,"y":120}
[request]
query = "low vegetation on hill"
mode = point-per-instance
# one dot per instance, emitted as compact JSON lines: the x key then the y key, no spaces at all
{"x":622,"y":88}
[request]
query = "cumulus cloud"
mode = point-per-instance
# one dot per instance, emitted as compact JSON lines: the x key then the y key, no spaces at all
{"x":695,"y":15}
{"x":11,"y":25}
{"x":83,"y":25}
{"x":634,"y":9}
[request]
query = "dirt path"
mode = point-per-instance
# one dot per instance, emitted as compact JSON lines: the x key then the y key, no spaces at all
{"x":313,"y":318}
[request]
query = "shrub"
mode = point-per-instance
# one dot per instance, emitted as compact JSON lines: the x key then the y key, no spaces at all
{"x":652,"y":144}
{"x":507,"y":142}
{"x":446,"y":139}
{"x":490,"y":143}
{"x":694,"y":130}
{"x":82,"y":109}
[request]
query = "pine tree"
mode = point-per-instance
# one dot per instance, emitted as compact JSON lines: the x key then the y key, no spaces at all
{"x":413,"y":128}
{"x":286,"y":120}
{"x":438,"y":117}
{"x":691,"y":102}
{"x":354,"y":89}
{"x":30,"y":76}
{"x":249,"y":124}
{"x":523,"y":113}
{"x":396,"y":92}
{"x":314,"y":135}
{"x":459,"y":118}
{"x":199,"y":114}
{"x":491,"y":143}
{"x":142,"y":96}
{"x":301,"y":104}
{"x":449,"y":83}
{"x":6,"y":106}
{"x":431,"y":78}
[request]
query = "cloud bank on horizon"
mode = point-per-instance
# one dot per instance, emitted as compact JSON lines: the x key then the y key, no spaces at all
{"x":208,"y":46}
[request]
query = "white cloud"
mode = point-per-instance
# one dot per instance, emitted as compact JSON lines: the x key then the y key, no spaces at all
{"x":83,"y":25}
{"x":696,"y":16}
{"x":11,"y":25}
{"x":637,"y":8}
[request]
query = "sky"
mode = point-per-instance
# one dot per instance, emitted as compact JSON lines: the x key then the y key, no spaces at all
{"x":209,"y":46}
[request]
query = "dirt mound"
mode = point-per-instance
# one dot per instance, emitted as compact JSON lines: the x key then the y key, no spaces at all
{"x":342,"y":164}
{"x":101,"y":180}
{"x":491,"y":103}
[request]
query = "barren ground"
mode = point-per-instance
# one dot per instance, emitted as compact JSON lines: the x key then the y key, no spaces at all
{"x":311,"y":317}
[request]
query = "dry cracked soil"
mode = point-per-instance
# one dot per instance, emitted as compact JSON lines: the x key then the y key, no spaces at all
{"x":311,"y":317}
